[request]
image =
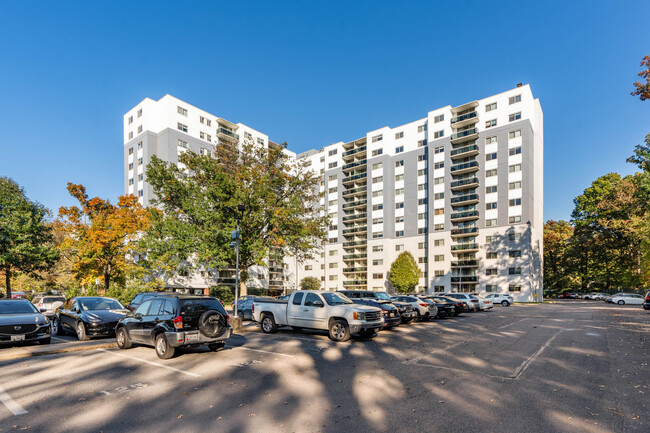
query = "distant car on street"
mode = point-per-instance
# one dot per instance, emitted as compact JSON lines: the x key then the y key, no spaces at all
{"x":504,"y":299}
{"x":646,"y":303}
{"x":18,"y":295}
{"x":20,"y":321}
{"x":627,"y":298}
{"x":49,"y":303}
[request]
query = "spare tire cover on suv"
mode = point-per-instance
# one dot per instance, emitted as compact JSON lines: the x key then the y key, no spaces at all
{"x":212,"y":324}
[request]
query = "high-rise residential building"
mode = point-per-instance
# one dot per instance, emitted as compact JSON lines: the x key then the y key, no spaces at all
{"x":461,"y":189}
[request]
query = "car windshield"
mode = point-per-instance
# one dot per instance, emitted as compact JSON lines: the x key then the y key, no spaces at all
{"x":336,"y":298}
{"x":10,"y":307}
{"x":383,"y":296}
{"x":94,"y":304}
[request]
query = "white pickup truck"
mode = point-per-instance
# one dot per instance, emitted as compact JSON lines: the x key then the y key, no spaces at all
{"x":319,"y":309}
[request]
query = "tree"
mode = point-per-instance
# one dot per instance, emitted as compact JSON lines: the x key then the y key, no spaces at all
{"x":642,"y":90}
{"x":25,"y":237}
{"x":404,"y":273}
{"x":557,"y":235}
{"x":101,"y":237}
{"x":280,"y":197}
{"x":309,"y":283}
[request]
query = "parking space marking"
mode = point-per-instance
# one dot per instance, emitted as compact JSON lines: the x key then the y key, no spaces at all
{"x":10,"y":403}
{"x":263,"y":351}
{"x":524,"y":365}
{"x":150,"y":363}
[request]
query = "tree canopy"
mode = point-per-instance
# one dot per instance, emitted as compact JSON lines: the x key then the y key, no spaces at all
{"x":404,"y":273}
{"x":309,"y":283}
{"x":25,"y":236}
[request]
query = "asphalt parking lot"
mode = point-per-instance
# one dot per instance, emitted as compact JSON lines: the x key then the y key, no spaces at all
{"x":571,"y":366}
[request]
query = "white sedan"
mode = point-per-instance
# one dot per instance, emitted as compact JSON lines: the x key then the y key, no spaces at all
{"x":627,"y":298}
{"x":425,"y":309}
{"x":500,"y":298}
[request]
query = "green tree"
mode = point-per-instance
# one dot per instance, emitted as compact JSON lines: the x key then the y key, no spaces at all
{"x":557,"y":261}
{"x":280,"y":197}
{"x":25,"y":237}
{"x":309,"y":283}
{"x":404,"y":273}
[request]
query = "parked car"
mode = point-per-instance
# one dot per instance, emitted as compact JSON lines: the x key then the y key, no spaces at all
{"x":646,"y":303}
{"x":173,"y":320}
{"x":406,"y":311}
{"x":244,"y":298}
{"x":425,"y":310}
{"x":245,"y":309}
{"x":382,"y":298}
{"x":627,"y":298}
{"x":140,"y":298}
{"x":484,"y":303}
{"x":389,"y":312}
{"x":459,"y":306}
{"x":318,"y":309}
{"x":504,"y":299}
{"x":49,"y":303}
{"x":445,"y":309}
{"x":472,"y":304}
{"x":18,"y":295}
{"x":21,"y":322}
{"x":89,"y":316}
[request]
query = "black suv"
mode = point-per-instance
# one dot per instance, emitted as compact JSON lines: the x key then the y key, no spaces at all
{"x":167,"y":321}
{"x":405,"y":310}
{"x":141,"y":297}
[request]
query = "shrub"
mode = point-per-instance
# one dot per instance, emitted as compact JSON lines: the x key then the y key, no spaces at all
{"x":309,"y":283}
{"x":225,"y":294}
{"x":257,"y":291}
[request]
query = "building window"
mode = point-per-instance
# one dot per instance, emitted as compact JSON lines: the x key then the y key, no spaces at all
{"x":378,"y":193}
{"x":377,"y":165}
{"x":332,"y":152}
{"x":439,"y":196}
{"x":423,"y":230}
{"x":514,"y":202}
{"x":514,"y":134}
{"x":333,"y":277}
{"x":439,"y":134}
{"x":399,"y":219}
{"x":182,"y":111}
{"x":491,"y":271}
{"x":141,"y":177}
{"x":333,"y":190}
{"x":422,"y":172}
{"x":422,"y":128}
{"x":379,"y":206}
{"x":399,"y":191}
{"x":491,"y":140}
{"x":440,"y":211}
{"x":141,"y":193}
{"x":399,"y":205}
{"x":378,"y":179}
{"x":514,"y":288}
{"x":333,"y":253}
{"x":332,"y":178}
{"x":130,"y":135}
{"x":377,"y":276}
{"x":439,"y":149}
{"x":514,"y":168}
{"x":491,"y":255}
{"x":490,"y":173}
{"x":514,"y":99}
{"x":422,"y":158}
{"x":399,"y":233}
{"x":377,"y":138}
{"x":438,"y":273}
{"x":139,"y":145}
{"x":131,"y":181}
{"x":514,"y":219}
{"x":399,"y":135}
{"x":333,"y":164}
{"x":399,"y":163}
{"x":491,"y":107}
{"x":491,"y":123}
{"x":140,"y":112}
{"x":514,"y":236}
{"x":514,"y":185}
{"x":130,"y":166}
{"x":377,"y":152}
{"x":490,"y":189}
{"x":377,"y":248}
{"x":514,"y":151}
{"x":490,"y":239}
{"x":140,"y":129}
{"x":333,"y":240}
{"x":309,"y":267}
{"x":130,"y":151}
{"x":490,"y":156}
{"x":139,"y":161}
{"x":322,"y":159}
{"x":491,"y":223}
{"x":439,"y":227}
{"x":333,"y":265}
{"x":260,"y":140}
{"x":514,"y":116}
{"x":399,"y":177}
{"x":438,"y":180}
{"x":421,"y":245}
{"x":422,"y":259}
{"x":492,"y":205}
{"x":422,"y":216}
{"x":377,"y":262}
{"x":422,"y":186}
{"x":182,"y":127}
{"x":399,"y":149}
{"x":438,"y":119}
{"x":332,"y":203}
{"x":399,"y":247}
{"x":422,"y":201}
{"x":491,"y":288}
{"x":514,"y":254}
{"x":438,"y":242}
{"x":130,"y":120}
{"x":437,"y":166}
{"x":514,"y":271}
{"x":439,"y":258}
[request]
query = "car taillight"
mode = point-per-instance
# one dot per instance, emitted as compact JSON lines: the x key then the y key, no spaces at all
{"x":227,"y":319}
{"x":424,"y":305}
{"x":253,"y":308}
{"x":40,"y":304}
{"x":178,"y":322}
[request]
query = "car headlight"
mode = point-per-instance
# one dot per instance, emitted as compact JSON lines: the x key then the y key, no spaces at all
{"x":359,"y":316}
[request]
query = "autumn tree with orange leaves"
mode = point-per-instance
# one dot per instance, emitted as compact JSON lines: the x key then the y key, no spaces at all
{"x":642,"y":90}
{"x":101,"y":236}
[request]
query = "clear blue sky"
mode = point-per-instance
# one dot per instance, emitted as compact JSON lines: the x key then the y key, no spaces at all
{"x":313,"y":73}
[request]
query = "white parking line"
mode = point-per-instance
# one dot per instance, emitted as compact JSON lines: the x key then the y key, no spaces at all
{"x":10,"y":403}
{"x":263,"y":351}
{"x":150,"y":363}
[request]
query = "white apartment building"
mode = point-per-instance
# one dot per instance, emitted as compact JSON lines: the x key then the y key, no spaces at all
{"x":461,"y":189}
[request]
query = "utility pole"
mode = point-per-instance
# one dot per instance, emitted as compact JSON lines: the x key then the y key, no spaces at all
{"x":235,"y":243}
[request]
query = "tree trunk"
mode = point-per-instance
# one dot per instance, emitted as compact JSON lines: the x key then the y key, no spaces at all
{"x":8,"y":282}
{"x":107,"y":281}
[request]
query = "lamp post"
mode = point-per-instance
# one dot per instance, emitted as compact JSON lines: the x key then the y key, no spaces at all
{"x":235,"y":243}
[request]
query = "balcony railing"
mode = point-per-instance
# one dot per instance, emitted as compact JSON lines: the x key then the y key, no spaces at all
{"x":358,"y":229}
{"x":465,"y":133}
{"x":464,"y":182}
{"x":230,"y":134}
{"x":462,"y":247}
{"x":467,"y":116}
{"x":355,"y":283}
{"x":465,"y":279}
{"x":466,"y":214}
{"x":464,"y":149}
{"x":354,"y":256}
{"x":464,"y":166}
{"x":354,"y":151}
{"x":461,"y":263}
{"x":354,"y":204}
{"x":357,"y":269}
{"x":354,"y":164}
{"x":464,"y":198}
{"x":355,"y":217}
{"x":355,"y":177}
{"x":355,"y":243}
{"x":355,"y":191}
{"x":463,"y":231}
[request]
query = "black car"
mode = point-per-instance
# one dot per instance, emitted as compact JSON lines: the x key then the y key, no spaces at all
{"x":89,"y":316}
{"x":459,"y":307}
{"x":646,"y":301}
{"x":140,"y":298}
{"x":169,"y":321}
{"x":406,"y":311}
{"x":21,"y":322}
{"x":389,"y":312}
{"x":245,"y":309}
{"x":445,"y":309}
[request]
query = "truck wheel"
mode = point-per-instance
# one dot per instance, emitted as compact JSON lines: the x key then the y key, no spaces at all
{"x":163,"y":349}
{"x":268,"y":324}
{"x":367,"y":333}
{"x":339,"y":331}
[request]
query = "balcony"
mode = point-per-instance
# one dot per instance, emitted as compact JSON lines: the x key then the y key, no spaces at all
{"x":355,"y":217}
{"x":465,"y":279}
{"x":464,"y":216}
{"x":465,"y":263}
{"x":276,"y":283}
{"x":464,"y":199}
{"x":355,"y":270}
{"x":227,"y":134}
{"x":353,"y":230}
{"x":464,"y":152}
{"x":355,"y":204}
{"x":466,"y":167}
{"x":466,"y":248}
{"x":466,"y":135}
{"x":355,"y":283}
{"x":354,"y":151}
{"x":465,"y":119}
{"x":225,"y":281}
{"x":355,"y":243}
{"x":275,"y":269}
{"x":356,"y":191}
{"x":354,"y":164}
{"x":354,"y":178}
{"x":464,"y":184}
{"x":463,"y":232}
{"x":355,"y":256}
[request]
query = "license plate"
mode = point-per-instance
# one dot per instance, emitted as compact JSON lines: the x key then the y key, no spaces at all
{"x":17,"y":338}
{"x":192,"y":337}
{"x":391,"y":315}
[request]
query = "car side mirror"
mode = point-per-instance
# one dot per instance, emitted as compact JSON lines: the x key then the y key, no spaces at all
{"x":75,"y":310}
{"x":318,"y":304}
{"x":42,"y":310}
